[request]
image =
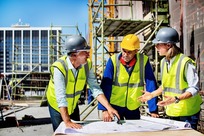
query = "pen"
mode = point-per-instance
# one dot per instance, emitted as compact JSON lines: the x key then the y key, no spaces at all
{"x":118,"y":120}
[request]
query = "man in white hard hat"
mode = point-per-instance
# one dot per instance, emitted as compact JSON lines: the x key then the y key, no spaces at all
{"x":69,"y":75}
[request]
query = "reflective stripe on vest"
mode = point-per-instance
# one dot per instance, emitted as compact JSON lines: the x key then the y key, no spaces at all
{"x":66,"y":69}
{"x":74,"y":86}
{"x":174,"y":84}
{"x":177,"y":89}
{"x":126,"y":89}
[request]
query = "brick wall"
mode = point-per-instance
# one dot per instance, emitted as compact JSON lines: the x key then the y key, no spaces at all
{"x":187,"y":17}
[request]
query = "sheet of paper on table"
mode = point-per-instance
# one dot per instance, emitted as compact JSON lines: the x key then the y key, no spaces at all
{"x":144,"y":124}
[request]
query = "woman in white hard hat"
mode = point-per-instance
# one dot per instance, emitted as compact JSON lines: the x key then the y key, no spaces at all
{"x":179,"y":80}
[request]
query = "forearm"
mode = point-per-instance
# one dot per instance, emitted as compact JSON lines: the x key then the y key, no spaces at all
{"x":67,"y":120}
{"x":93,"y":85}
{"x":102,"y":99}
{"x":185,"y":95}
{"x":157,"y":92}
{"x":192,"y":80}
{"x":65,"y":115}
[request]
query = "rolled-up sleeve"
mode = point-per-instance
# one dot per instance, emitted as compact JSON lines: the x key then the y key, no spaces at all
{"x":192,"y":79}
{"x":94,"y":86}
{"x":60,"y":91}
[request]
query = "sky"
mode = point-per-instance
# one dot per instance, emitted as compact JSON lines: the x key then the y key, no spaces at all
{"x":43,"y":13}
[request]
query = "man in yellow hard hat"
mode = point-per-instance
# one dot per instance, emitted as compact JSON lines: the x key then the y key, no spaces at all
{"x":125,"y":76}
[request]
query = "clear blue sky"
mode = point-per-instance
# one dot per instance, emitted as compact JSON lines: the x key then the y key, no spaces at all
{"x":41,"y":13}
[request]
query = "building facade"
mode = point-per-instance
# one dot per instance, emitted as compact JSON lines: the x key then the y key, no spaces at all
{"x":23,"y":48}
{"x":25,"y":57}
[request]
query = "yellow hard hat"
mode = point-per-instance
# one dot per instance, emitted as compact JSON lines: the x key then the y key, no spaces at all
{"x":130,"y":42}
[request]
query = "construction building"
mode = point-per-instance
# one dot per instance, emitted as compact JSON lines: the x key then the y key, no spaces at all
{"x":111,"y":20}
{"x":25,"y":51}
{"x":28,"y":52}
{"x":26,"y":55}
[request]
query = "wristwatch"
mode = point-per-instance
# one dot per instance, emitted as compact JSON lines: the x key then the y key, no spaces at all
{"x":177,"y":99}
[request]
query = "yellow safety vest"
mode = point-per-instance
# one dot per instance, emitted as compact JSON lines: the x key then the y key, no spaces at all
{"x":74,"y":85}
{"x":126,"y":89}
{"x":174,"y":84}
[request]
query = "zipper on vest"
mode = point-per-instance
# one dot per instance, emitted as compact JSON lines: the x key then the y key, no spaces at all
{"x":126,"y":103}
{"x":74,"y":90}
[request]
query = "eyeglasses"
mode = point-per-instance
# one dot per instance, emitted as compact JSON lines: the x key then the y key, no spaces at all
{"x":83,"y":50}
{"x":128,"y":51}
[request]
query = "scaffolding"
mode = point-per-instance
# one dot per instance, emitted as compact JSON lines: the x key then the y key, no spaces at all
{"x":28,"y":80}
{"x":26,"y":84}
{"x":57,"y":50}
{"x":107,"y":26}
{"x":106,"y":30}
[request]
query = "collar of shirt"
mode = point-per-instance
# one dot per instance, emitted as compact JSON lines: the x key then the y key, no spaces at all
{"x":169,"y":63}
{"x":70,"y":66}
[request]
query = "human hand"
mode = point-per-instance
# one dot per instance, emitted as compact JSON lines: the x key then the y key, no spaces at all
{"x":154,"y":115}
{"x":168,"y":100}
{"x":106,"y":116}
{"x":71,"y":124}
{"x":145,"y":97}
{"x":112,"y":112}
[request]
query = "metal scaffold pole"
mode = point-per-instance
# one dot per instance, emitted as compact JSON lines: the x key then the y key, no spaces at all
{"x":24,"y":77}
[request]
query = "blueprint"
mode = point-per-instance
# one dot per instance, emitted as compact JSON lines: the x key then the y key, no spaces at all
{"x":144,"y":124}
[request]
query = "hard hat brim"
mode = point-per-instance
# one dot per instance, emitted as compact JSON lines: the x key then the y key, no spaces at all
{"x":86,"y":48}
{"x":155,"y":41}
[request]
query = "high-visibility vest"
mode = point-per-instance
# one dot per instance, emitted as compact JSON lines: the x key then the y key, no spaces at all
{"x":74,"y":85}
{"x":174,"y":84}
{"x":126,"y":89}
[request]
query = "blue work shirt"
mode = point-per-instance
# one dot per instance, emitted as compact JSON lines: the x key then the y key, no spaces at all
{"x":150,"y":80}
